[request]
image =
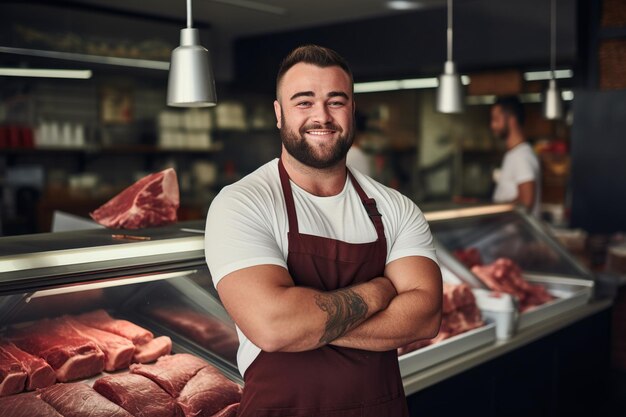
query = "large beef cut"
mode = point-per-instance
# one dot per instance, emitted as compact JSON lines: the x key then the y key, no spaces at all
{"x":80,"y":400}
{"x":207,"y":393}
{"x":40,"y":374}
{"x":171,"y":372}
{"x":100,"y":319}
{"x":12,"y":375}
{"x":504,"y":275}
{"x":26,"y":405}
{"x":153,"y":350}
{"x":469,"y":257}
{"x":208,"y":332}
{"x":71,"y":355}
{"x":138,"y":395}
{"x":230,"y":411}
{"x":118,"y":351}
{"x":460,"y":314}
{"x":151,"y":201}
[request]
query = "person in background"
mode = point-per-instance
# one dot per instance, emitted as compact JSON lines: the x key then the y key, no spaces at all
{"x":324,"y":271}
{"x":519,"y":178}
{"x":356,"y":158}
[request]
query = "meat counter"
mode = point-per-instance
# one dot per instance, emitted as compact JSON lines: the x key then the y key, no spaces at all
{"x":110,"y":317}
{"x":500,"y":248}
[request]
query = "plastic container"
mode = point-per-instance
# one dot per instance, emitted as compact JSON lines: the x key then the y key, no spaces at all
{"x":499,"y":308}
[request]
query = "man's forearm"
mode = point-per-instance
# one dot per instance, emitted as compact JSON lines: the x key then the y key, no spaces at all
{"x":309,"y":319}
{"x":409,"y":317}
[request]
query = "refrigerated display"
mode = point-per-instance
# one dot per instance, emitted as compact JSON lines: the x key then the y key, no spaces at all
{"x":467,"y":238}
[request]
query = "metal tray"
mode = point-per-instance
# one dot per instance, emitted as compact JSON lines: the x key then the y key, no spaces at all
{"x":428,"y":356}
{"x":570,"y":293}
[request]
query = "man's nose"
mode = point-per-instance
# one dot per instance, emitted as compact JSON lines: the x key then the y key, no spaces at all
{"x":321,"y":115}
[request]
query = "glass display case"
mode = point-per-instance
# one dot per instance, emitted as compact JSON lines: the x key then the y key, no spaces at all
{"x":157,"y":279}
{"x":503,"y":231}
{"x":479,"y":235}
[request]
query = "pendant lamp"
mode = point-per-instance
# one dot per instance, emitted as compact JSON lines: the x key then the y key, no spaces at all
{"x":450,"y":95}
{"x":552,"y":101}
{"x":191,"y":82}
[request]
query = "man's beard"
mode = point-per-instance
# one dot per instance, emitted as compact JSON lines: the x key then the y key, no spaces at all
{"x":297,"y":146}
{"x":503,"y":133}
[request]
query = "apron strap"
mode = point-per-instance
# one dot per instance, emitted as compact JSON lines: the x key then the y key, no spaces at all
{"x":370,"y":208}
{"x":291,"y":207}
{"x":368,"y":203}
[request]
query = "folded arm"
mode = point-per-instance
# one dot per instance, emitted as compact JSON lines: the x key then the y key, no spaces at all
{"x":414,"y":314}
{"x":278,"y":316}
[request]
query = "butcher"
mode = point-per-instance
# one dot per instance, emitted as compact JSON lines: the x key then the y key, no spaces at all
{"x":324,"y":271}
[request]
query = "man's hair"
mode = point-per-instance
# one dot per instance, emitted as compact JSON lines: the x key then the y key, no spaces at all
{"x":314,"y":55}
{"x":512,"y":106}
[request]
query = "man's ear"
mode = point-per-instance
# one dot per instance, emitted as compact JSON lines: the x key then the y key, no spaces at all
{"x":278,"y":114}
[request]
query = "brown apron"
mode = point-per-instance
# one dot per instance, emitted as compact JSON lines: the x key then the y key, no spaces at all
{"x":329,"y":381}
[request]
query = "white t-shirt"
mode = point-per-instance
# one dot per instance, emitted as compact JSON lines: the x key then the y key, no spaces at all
{"x":247,"y":225}
{"x":520,"y":165}
{"x":359,"y":160}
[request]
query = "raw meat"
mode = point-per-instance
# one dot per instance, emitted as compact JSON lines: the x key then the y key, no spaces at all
{"x":504,"y":275}
{"x":40,"y":374}
{"x":26,"y":405}
{"x":80,"y":400}
{"x":460,"y":314}
{"x":71,"y":355}
{"x":100,"y":319}
{"x":208,"y":332}
{"x":207,"y":393}
{"x":171,"y":372}
{"x":138,"y":395}
{"x":12,"y":375}
{"x":153,"y":350}
{"x":118,"y":351}
{"x":151,"y":201}
{"x":469,"y":257}
{"x":230,"y":411}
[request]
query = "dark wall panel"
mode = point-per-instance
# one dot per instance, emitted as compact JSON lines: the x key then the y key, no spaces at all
{"x":488,"y":34}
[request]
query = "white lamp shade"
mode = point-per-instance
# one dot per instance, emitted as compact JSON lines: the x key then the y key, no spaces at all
{"x":553,"y":102}
{"x":450,"y":94}
{"x":191,"y":82}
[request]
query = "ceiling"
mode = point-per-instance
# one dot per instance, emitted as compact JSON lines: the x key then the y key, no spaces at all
{"x":237,"y":18}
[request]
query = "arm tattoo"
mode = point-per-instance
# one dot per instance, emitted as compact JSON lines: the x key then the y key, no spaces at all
{"x":345,"y":309}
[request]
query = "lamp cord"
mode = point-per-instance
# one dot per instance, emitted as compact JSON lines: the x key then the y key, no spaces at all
{"x":553,"y":38}
{"x":189,"y":14}
{"x":449,"y":30}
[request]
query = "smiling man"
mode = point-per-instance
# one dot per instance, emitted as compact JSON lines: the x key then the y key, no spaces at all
{"x":324,"y":271}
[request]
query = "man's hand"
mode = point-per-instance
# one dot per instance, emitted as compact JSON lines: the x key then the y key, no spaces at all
{"x":278,"y":316}
{"x":413,"y":315}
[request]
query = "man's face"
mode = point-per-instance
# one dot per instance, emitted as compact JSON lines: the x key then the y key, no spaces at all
{"x":315,"y":114}
{"x":499,"y":123}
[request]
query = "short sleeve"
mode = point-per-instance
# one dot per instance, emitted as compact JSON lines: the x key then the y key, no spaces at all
{"x":523,"y":169}
{"x":412,"y":233}
{"x":238,"y":235}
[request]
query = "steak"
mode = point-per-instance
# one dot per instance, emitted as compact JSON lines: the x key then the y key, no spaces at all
{"x":208,"y":332}
{"x":40,"y":374}
{"x":138,"y":395}
{"x":12,"y":375}
{"x":207,"y":393}
{"x":71,"y":355}
{"x":151,"y":201}
{"x":171,"y":372}
{"x":118,"y":351}
{"x":26,"y":405}
{"x":80,"y":400}
{"x":100,"y":319}
{"x":230,"y":411}
{"x":154,"y":349}
{"x":504,"y":275}
{"x":460,"y":314}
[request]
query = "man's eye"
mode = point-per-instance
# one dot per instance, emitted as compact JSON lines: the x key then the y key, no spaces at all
{"x":304,"y":104}
{"x":336,"y":103}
